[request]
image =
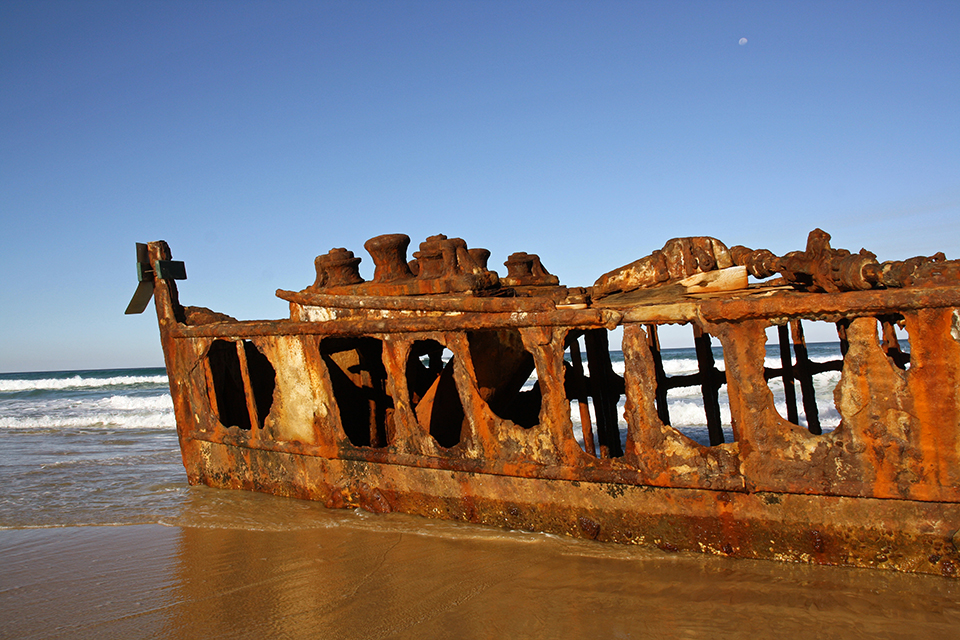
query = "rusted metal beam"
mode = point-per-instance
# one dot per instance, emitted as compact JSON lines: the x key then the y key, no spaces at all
{"x":789,"y":391}
{"x":603,"y":391}
{"x":709,"y":384}
{"x":418,"y":303}
{"x":804,"y":373}
{"x":586,"y":425}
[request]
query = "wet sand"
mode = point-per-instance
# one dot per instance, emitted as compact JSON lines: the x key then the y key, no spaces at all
{"x":399,"y":577}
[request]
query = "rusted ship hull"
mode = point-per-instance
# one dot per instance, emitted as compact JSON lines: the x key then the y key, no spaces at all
{"x":350,"y":403}
{"x":895,"y":534}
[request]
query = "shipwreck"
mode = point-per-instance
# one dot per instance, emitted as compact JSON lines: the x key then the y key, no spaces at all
{"x":442,"y":389}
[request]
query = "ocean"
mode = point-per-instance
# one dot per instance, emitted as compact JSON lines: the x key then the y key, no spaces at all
{"x":100,"y":536}
{"x":88,"y":448}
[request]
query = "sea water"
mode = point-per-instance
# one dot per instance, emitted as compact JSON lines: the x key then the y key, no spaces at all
{"x":87,"y":447}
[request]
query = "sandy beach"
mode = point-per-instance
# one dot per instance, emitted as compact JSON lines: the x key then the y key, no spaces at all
{"x":101,"y":537}
{"x":398,"y":577}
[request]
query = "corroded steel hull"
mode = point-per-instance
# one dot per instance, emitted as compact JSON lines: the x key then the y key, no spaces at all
{"x":396,"y":396}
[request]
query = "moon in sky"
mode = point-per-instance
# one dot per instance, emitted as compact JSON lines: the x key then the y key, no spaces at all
{"x":743,"y":41}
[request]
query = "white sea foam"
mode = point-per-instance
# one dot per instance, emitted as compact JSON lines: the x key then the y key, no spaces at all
{"x":671,"y":367}
{"x":118,"y":411}
{"x":153,"y":420}
{"x":688,"y":414}
{"x":77,"y":382}
{"x":680,"y":366}
{"x":137,"y":403}
{"x":48,"y":405}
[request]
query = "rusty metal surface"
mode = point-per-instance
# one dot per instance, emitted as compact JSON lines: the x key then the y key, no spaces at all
{"x":442,"y":265}
{"x":384,"y":396}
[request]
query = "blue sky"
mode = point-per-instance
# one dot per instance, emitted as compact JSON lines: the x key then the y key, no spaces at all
{"x":253,"y":136}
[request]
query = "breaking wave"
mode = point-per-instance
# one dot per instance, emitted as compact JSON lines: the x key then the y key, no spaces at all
{"x":77,"y":382}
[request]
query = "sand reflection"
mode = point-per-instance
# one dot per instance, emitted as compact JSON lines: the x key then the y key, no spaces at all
{"x":343,"y":575}
{"x":344,"y":582}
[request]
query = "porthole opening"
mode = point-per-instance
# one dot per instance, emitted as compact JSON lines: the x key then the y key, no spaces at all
{"x":433,"y":392}
{"x":593,"y":381}
{"x":802,"y":373}
{"x":691,"y":388}
{"x":243,"y":381}
{"x":359,"y":381}
{"x":506,"y":376}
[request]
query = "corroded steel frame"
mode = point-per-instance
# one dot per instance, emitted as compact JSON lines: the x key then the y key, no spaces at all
{"x":881,"y":490}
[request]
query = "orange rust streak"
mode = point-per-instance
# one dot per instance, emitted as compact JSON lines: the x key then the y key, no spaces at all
{"x":934,"y":378}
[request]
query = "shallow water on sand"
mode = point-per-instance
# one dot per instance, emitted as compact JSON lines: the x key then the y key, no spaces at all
{"x":100,"y":536}
{"x":398,"y":577}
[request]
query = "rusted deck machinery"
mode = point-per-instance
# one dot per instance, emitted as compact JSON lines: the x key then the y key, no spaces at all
{"x":443,"y":390}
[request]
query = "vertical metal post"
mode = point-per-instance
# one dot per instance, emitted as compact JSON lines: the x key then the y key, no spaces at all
{"x":436,"y":364}
{"x":367,"y":388}
{"x":582,"y":402}
{"x":842,"y":334}
{"x":786,"y":362}
{"x":888,"y":336}
{"x":604,"y":398}
{"x":248,"y":389}
{"x":805,"y":376}
{"x":211,"y":389}
{"x":891,"y":344}
{"x":709,"y":386}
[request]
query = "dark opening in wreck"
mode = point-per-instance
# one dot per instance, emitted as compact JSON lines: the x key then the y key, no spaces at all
{"x":240,"y":384}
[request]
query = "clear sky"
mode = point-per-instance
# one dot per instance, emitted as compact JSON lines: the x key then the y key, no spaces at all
{"x":253,"y":136}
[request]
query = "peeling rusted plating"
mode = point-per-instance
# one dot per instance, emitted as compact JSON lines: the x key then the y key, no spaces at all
{"x":822,"y":268}
{"x":440,"y":389}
